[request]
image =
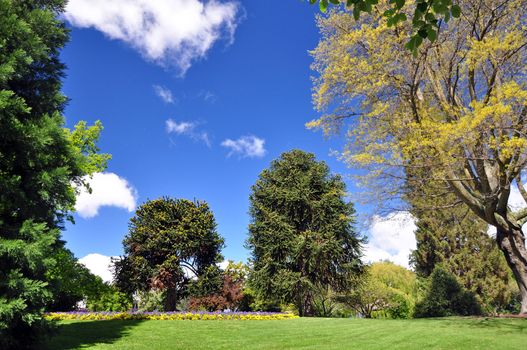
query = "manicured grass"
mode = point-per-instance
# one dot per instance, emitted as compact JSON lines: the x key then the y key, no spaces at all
{"x":304,"y":333}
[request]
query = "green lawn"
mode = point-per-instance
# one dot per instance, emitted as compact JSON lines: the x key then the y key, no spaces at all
{"x":305,"y":333}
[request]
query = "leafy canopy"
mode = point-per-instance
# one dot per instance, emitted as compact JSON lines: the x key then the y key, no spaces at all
{"x":427,"y":16}
{"x":170,"y":241}
{"x":455,"y":111}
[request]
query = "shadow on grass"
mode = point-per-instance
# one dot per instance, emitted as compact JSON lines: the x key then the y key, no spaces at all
{"x":506,"y":325}
{"x":82,"y":334}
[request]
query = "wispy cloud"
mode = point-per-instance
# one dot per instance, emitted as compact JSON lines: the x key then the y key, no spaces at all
{"x":188,"y":129}
{"x":172,"y":33}
{"x":207,"y":96}
{"x":107,"y":189}
{"x":246,"y":146}
{"x":164,"y":93}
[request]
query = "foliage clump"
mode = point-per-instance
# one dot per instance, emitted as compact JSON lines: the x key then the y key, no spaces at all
{"x":445,"y":296}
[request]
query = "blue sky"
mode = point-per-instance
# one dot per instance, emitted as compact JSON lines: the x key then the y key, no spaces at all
{"x":192,"y":111}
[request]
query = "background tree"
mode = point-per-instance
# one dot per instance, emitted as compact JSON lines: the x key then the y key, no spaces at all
{"x":457,"y":239}
{"x":102,"y":296}
{"x":41,"y":163}
{"x":456,"y":109}
{"x":445,"y":296}
{"x":69,"y":281}
{"x":301,"y":232}
{"x":385,"y":290}
{"x":169,"y":241}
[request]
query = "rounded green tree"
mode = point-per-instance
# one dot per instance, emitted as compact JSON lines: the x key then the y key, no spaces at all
{"x":301,"y":235}
{"x":169,"y":242}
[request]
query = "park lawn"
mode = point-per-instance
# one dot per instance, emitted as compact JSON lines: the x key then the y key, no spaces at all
{"x":302,"y":333}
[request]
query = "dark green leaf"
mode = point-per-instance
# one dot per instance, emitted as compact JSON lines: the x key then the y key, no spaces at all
{"x":431,"y":34}
{"x":456,"y":11}
{"x":423,"y":6}
{"x":400,"y":3}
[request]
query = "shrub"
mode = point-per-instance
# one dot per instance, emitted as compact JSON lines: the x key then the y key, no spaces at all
{"x":150,"y":301}
{"x":401,"y":305}
{"x":229,"y":297}
{"x":110,"y":300}
{"x":446,"y":297}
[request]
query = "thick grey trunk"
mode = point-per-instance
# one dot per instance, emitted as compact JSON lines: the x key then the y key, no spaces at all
{"x":512,"y":244}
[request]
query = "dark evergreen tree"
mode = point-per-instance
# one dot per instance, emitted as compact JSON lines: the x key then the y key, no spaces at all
{"x":445,"y":296}
{"x":302,"y":231}
{"x":169,"y":241}
{"x":457,"y":240}
{"x":40,"y":161}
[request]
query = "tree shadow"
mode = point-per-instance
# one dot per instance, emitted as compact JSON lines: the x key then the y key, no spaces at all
{"x":504,"y":325}
{"x":82,"y":334}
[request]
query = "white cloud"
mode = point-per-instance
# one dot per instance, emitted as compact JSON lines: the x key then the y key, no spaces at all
{"x":246,"y":146}
{"x":108,"y":189}
{"x":164,"y":93}
{"x":187,"y":129}
{"x":391,"y":238}
{"x":179,"y":128}
{"x":100,"y":265}
{"x":223,"y":265}
{"x":168,"y":32}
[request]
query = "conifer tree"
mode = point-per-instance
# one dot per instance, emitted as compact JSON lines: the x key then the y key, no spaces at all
{"x":302,"y":231}
{"x":41,"y":162}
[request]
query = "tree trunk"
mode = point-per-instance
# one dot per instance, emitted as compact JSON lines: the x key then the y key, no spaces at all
{"x":512,"y":243}
{"x":171,"y":299}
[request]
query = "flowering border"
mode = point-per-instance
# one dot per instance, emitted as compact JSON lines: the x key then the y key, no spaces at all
{"x":216,"y":316}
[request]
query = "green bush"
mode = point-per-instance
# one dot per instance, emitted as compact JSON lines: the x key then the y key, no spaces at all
{"x":446,"y":297}
{"x":151,"y":301}
{"x":401,"y":305}
{"x":109,"y":300}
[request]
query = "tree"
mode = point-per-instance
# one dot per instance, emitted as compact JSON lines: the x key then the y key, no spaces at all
{"x":427,"y":15}
{"x":456,"y":110}
{"x":69,"y":281}
{"x":41,"y":163}
{"x":169,"y":241}
{"x":301,"y":231}
{"x":446,"y":297}
{"x":385,"y":288}
{"x":457,"y":239}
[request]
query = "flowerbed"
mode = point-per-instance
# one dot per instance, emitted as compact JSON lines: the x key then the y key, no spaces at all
{"x":83,"y":315}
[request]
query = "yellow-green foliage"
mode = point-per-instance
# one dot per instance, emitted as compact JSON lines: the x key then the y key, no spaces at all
{"x":456,"y":108}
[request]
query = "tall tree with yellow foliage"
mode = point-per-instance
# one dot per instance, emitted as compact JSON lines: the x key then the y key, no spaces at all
{"x":454,"y":110}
